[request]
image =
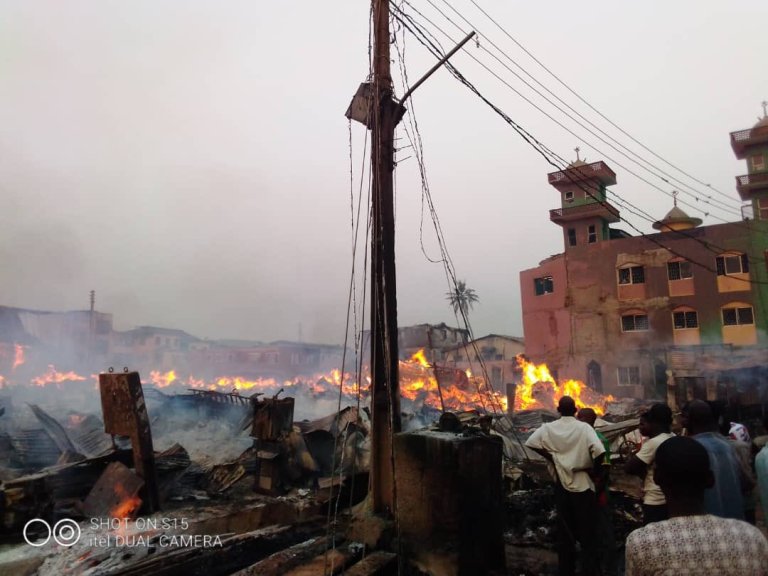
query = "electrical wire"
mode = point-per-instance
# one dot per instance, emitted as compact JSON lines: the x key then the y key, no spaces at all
{"x":661,"y":172}
{"x":581,"y":98}
{"x":423,"y":37}
{"x":567,"y":129}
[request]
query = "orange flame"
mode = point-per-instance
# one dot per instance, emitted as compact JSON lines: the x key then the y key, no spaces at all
{"x":18,"y":356}
{"x":540,"y":390}
{"x":418,"y":383}
{"x":162,"y":380}
{"x":420,"y":358}
{"x":128,"y":506}
{"x":457,"y":390}
{"x":54,"y":377}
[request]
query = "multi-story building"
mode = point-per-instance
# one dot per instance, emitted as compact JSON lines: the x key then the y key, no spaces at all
{"x":682,"y":312}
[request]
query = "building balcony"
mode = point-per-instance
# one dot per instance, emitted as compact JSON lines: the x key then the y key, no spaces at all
{"x":575,"y":174}
{"x":744,"y":139}
{"x":750,"y":183}
{"x":602,"y":210}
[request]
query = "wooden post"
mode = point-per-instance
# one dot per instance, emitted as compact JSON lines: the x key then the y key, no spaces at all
{"x":385,"y":400}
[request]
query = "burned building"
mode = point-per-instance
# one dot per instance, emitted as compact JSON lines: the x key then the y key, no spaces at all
{"x":497,"y":353}
{"x":637,"y":315}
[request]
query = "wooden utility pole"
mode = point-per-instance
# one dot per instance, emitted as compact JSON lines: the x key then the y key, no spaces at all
{"x":375,"y":106}
{"x":385,"y":396}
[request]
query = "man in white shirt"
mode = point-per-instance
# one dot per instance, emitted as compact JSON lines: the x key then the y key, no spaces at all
{"x":655,"y":425}
{"x":691,"y":541}
{"x":573,"y":449}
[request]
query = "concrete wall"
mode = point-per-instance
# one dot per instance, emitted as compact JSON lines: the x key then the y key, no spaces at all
{"x":581,"y":321}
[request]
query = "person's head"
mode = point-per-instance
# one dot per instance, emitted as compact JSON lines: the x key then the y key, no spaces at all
{"x":587,"y":415}
{"x":682,"y":470}
{"x":566,"y":406}
{"x":656,"y":420}
{"x":699,"y":417}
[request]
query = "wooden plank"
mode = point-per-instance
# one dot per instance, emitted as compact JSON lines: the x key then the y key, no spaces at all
{"x":235,"y":553}
{"x":379,"y":563}
{"x":325,"y":564}
{"x":115,"y":494}
{"x":281,"y":562}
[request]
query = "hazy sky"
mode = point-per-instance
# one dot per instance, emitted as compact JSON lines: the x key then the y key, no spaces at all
{"x":189,"y":160}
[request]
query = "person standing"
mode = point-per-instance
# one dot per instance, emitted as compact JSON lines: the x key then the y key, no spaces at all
{"x":739,"y":437}
{"x":655,"y":424}
{"x":725,"y":497}
{"x":692,"y":541}
{"x":761,"y":468}
{"x":606,"y":539}
{"x":573,"y":449}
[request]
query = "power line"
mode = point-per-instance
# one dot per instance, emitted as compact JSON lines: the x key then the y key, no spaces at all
{"x":660,"y":175}
{"x":572,"y":91}
{"x":414,"y":137}
{"x":553,"y":119}
{"x":422,"y":36}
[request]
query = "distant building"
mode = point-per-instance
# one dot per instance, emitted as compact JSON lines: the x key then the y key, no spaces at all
{"x":682,"y":312}
{"x":433,"y":339}
{"x":73,"y":338}
{"x":281,"y":359}
{"x":497,"y":353}
{"x":152,"y":348}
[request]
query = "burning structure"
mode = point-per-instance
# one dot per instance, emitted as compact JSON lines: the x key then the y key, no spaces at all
{"x":191,"y":447}
{"x":635,"y":316}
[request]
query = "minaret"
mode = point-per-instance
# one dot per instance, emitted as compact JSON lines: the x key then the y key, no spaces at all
{"x":585,"y":213}
{"x":752,"y":145}
{"x":676,"y":220}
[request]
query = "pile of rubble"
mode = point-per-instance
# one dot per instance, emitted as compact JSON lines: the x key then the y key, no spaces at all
{"x":249,"y":465}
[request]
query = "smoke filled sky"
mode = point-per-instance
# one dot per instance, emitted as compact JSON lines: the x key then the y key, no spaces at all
{"x":189,"y":160}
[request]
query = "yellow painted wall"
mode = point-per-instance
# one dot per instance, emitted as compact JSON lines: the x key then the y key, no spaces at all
{"x":744,"y":335}
{"x":687,"y":337}
{"x":682,"y":287}
{"x":734,"y":283}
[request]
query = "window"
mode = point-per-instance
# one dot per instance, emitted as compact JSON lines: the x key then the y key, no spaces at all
{"x":543,"y":285}
{"x":679,"y":270}
{"x":629,"y":375}
{"x":732,"y":264}
{"x":568,"y":196}
{"x":632,"y":275}
{"x":762,"y":208}
{"x":571,"y":236}
{"x":738,"y":316}
{"x":592,"y":235}
{"x":758,"y":162}
{"x":634,"y":322}
{"x":685,"y":319}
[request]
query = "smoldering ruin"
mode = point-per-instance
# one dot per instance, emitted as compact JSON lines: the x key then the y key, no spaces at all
{"x":117,"y":473}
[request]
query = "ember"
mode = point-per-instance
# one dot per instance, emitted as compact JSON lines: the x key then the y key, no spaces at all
{"x":540,"y":390}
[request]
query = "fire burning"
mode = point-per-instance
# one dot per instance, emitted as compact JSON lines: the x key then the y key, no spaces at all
{"x":129,"y":504}
{"x":423,"y":384}
{"x":54,"y":377}
{"x":539,"y":389}
{"x":18,"y":356}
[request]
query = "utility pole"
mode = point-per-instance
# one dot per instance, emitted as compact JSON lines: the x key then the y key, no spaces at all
{"x":385,"y":396}
{"x":375,"y":106}
{"x":91,"y":325}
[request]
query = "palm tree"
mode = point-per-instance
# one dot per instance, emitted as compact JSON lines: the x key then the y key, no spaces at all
{"x":462,"y":298}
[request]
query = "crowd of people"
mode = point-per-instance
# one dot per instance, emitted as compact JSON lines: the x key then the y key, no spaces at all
{"x":700,"y":491}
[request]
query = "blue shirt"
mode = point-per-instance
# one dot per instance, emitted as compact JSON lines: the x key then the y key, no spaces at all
{"x":724,"y":499}
{"x":761,"y":466}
